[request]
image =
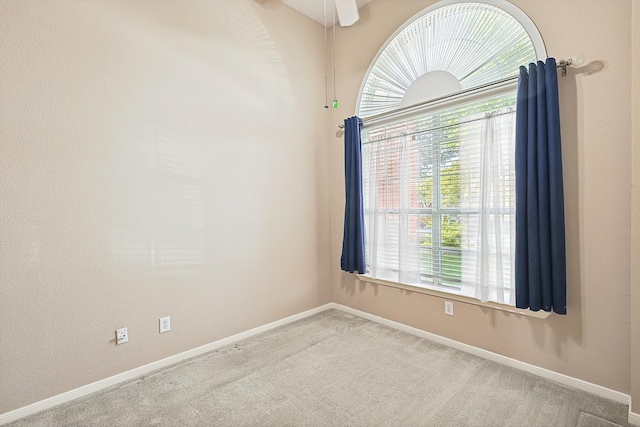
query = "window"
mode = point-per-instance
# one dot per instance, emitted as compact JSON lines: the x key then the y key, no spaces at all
{"x":439,"y":177}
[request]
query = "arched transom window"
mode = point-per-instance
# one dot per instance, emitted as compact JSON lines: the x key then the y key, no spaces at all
{"x":449,"y":47}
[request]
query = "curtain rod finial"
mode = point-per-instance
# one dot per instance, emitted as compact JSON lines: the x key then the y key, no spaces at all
{"x":578,"y":60}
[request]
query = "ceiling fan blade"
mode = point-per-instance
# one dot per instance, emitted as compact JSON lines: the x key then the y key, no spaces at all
{"x":347,"y":12}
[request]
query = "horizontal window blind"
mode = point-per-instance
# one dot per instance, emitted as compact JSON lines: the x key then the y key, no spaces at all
{"x":439,"y":197}
{"x":474,"y":42}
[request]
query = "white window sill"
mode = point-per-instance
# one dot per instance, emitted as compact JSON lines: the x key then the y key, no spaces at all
{"x":454,"y":297}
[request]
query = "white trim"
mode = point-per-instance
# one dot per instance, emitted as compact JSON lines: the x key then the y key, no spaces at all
{"x":450,"y":295}
{"x":595,"y":389}
{"x":634,"y":419}
{"x":85,"y":390}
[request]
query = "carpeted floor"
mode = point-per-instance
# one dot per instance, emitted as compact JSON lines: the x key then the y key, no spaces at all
{"x":336,"y":369}
{"x":588,"y":420}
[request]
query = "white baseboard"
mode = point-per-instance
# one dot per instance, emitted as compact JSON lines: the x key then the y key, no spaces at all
{"x":634,"y":419}
{"x":588,"y":387}
{"x":68,"y":396}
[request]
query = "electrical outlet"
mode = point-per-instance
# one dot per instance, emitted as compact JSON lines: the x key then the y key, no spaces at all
{"x":165,"y":324}
{"x":448,"y":308}
{"x":122,"y":336}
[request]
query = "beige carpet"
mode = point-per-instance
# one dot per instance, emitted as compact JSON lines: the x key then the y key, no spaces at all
{"x":588,"y":420}
{"x":334,"y":369}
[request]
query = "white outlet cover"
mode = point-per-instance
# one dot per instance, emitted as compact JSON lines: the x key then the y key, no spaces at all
{"x":165,"y":324}
{"x":448,"y":308}
{"x":122,"y":336}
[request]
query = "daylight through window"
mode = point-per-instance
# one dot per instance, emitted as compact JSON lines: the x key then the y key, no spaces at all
{"x":439,"y":180}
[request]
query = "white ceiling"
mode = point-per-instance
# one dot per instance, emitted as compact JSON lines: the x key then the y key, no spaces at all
{"x":314,"y":9}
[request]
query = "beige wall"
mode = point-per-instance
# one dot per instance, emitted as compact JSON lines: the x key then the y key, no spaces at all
{"x":635,"y":207}
{"x":593,"y":341}
{"x":156,"y":158}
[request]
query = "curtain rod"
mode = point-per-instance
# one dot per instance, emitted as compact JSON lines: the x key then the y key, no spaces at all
{"x":575,"y":61}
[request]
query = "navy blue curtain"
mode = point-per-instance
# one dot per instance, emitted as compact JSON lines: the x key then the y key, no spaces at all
{"x":540,"y":264}
{"x":352,"y":259}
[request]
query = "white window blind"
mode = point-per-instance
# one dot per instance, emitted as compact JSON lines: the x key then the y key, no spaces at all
{"x":439,"y":198}
{"x":475,"y":43}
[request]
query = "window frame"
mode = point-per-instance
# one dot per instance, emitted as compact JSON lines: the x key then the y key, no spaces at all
{"x":465,"y":288}
{"x":460,"y":98}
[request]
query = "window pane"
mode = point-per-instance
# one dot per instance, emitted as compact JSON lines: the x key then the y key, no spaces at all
{"x":451,"y":231}
{"x":423,"y":195}
{"x":452,"y":267}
